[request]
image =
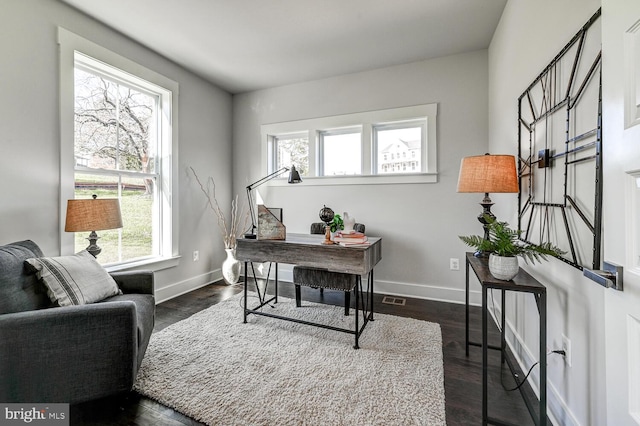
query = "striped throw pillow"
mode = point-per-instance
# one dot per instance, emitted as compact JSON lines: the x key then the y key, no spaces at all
{"x":74,"y":280}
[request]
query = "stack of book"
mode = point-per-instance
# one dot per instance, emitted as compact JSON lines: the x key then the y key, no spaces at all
{"x":351,"y":239}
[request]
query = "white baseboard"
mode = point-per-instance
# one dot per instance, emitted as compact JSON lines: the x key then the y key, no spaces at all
{"x":395,"y":288}
{"x":285,"y":274}
{"x":419,"y":291}
{"x":426,"y":291}
{"x":177,"y":289}
{"x":557,"y":409}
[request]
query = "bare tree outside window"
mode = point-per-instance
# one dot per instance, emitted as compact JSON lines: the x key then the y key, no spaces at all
{"x":113,"y":125}
{"x":115,"y":150}
{"x":293,"y":151}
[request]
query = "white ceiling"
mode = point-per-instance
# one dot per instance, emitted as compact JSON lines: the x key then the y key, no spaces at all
{"x":244,"y":45}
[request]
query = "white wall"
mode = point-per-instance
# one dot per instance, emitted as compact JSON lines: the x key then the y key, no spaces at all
{"x":419,"y":223}
{"x":30,"y":137}
{"x":529,"y":35}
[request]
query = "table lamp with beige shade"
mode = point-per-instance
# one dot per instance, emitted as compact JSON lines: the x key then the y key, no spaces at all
{"x":93,"y":215}
{"x":488,"y":174}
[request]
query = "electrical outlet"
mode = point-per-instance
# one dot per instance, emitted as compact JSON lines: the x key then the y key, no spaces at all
{"x":566,"y":347}
{"x":454,"y":264}
{"x":196,"y":255}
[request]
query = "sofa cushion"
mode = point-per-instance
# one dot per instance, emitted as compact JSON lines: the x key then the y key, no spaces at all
{"x":145,"y":316}
{"x":19,"y":290}
{"x":74,"y":280}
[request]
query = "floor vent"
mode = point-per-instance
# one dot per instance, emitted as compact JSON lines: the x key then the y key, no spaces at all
{"x":390,"y":300}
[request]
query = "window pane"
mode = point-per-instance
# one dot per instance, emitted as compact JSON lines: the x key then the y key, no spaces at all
{"x":138,"y":203}
{"x":342,"y":154}
{"x":137,"y":199}
{"x":114,"y":125}
{"x":95,"y":121}
{"x":399,"y":150}
{"x":293,"y":151}
{"x":136,"y":111}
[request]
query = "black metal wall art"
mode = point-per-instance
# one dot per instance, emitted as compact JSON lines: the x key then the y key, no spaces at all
{"x":560,"y":151}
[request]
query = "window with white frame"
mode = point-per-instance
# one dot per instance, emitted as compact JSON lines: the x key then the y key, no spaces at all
{"x":341,"y":152}
{"x":291,"y":149}
{"x":398,"y":147}
{"x":385,"y":146}
{"x":122,"y":144}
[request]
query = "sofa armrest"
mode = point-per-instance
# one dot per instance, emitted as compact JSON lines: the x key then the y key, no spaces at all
{"x":140,"y":282}
{"x":68,"y":354}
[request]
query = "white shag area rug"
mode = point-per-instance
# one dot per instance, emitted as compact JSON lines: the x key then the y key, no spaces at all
{"x":219,"y":371}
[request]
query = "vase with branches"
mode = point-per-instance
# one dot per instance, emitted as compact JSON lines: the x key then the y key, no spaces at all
{"x":230,"y":230}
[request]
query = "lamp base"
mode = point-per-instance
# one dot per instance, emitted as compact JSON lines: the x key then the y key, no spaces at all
{"x":485,"y":218}
{"x":93,"y":248}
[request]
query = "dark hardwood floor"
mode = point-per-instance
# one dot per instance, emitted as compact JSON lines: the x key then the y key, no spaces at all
{"x":462,"y":374}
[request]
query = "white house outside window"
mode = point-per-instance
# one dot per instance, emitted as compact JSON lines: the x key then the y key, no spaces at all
{"x":398,"y":139}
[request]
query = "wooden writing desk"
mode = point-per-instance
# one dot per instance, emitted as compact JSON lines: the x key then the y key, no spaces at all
{"x":308,"y":250}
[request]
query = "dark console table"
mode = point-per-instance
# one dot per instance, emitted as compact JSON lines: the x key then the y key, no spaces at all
{"x":523,"y":282}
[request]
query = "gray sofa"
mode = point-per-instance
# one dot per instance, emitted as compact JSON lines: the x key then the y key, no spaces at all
{"x":68,"y":354}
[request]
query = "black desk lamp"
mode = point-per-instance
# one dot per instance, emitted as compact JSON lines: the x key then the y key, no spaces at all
{"x":294,"y":177}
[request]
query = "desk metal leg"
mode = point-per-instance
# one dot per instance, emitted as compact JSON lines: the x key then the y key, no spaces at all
{"x":543,"y":359}
{"x":246,"y":274}
{"x":503,"y":340}
{"x":466,"y":315}
{"x":358,"y":290}
{"x":371,"y":296}
{"x":485,"y":357}
{"x":276,"y":289}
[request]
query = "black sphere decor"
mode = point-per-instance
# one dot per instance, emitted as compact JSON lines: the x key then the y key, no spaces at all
{"x":326,"y":215}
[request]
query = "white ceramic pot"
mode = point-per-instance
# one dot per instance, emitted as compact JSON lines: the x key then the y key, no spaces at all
{"x":231,"y":267}
{"x":503,"y":268}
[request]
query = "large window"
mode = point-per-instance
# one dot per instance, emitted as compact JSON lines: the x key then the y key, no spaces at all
{"x":386,"y":146}
{"x":122,"y":143}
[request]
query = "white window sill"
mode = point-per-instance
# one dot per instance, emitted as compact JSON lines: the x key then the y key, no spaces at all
{"x":361,"y":180}
{"x":153,"y":264}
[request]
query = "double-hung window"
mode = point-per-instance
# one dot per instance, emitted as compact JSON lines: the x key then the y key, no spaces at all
{"x":123,"y":140}
{"x":385,"y":146}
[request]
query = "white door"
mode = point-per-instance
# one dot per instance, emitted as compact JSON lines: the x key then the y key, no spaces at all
{"x":621,"y":209}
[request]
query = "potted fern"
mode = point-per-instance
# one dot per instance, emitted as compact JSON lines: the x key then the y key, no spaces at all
{"x":504,"y":245}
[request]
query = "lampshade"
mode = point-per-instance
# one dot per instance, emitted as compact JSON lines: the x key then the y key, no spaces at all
{"x":294,"y":176}
{"x":488,"y":174}
{"x":93,"y":215}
